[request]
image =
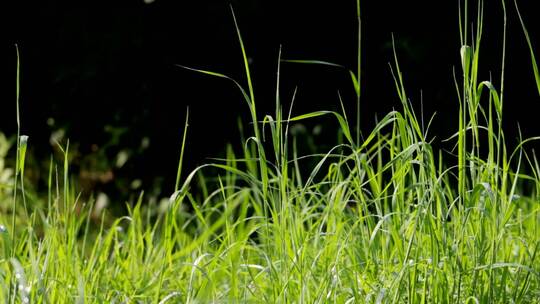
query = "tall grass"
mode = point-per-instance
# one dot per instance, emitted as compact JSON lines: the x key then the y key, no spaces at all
{"x":380,"y":218}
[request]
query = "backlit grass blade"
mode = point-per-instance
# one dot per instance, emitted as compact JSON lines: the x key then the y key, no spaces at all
{"x":180,"y":161}
{"x":342,"y":121}
{"x":315,"y":62}
{"x":531,"y":49}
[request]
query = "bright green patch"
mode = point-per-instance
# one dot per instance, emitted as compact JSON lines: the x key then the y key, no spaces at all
{"x":379,"y":218}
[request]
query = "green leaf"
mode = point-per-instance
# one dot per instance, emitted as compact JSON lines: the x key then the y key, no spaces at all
{"x":531,"y":49}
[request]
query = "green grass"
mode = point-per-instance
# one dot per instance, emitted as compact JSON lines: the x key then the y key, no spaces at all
{"x":382,"y":217}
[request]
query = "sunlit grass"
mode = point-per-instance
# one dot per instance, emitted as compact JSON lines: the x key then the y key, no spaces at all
{"x":381,"y":217}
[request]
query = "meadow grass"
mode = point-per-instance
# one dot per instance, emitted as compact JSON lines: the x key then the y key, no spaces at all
{"x":381,"y":217}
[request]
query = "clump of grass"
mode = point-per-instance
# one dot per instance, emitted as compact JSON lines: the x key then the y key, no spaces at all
{"x":379,"y":218}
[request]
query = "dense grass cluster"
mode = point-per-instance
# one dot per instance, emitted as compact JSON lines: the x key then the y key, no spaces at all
{"x":381,"y":217}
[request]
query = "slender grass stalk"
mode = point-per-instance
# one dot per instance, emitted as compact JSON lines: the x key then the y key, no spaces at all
{"x":531,"y":49}
{"x":17,"y":160}
{"x":180,"y":161}
{"x":358,"y":83}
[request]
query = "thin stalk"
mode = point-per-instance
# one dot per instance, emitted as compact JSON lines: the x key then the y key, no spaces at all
{"x":358,"y":72}
{"x":182,"y":149}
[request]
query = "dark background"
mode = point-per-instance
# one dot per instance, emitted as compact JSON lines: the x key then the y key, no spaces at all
{"x":105,"y":70}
